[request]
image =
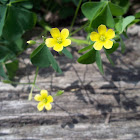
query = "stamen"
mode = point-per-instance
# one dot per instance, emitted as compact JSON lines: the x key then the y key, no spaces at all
{"x":59,"y":40}
{"x":45,"y":100}
{"x":102,"y":38}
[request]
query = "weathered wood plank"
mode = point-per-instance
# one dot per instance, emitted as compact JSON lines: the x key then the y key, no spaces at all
{"x":93,"y":107}
{"x":89,"y":131}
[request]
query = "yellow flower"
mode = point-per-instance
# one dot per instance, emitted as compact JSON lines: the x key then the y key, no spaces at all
{"x":44,"y":100}
{"x":102,"y":38}
{"x":59,"y":39}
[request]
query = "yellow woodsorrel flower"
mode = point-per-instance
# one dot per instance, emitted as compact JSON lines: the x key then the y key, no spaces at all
{"x":102,"y":38}
{"x":59,"y":39}
{"x":44,"y":100}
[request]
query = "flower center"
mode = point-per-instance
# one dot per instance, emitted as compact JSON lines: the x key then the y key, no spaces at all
{"x":44,"y":100}
{"x":59,"y":40}
{"x":102,"y":38}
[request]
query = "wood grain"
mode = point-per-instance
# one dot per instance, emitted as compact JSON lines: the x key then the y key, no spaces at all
{"x":93,"y":107}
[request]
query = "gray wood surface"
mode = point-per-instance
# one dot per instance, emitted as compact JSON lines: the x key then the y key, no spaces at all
{"x":93,"y":107}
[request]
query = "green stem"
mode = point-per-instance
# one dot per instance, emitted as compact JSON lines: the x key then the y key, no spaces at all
{"x":16,"y":83}
{"x":37,"y":87}
{"x":77,"y":30}
{"x":44,"y":25}
{"x":75,"y":15}
{"x":103,"y":0}
{"x":79,"y":41}
{"x":18,"y":1}
{"x":36,"y":73}
{"x":30,"y":95}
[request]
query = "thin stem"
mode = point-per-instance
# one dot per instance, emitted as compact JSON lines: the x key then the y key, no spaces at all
{"x":18,"y":1}
{"x":79,"y":41}
{"x":16,"y":83}
{"x":37,"y":87}
{"x":30,"y":95}
{"x":36,"y":73}
{"x":77,"y":30}
{"x":43,"y":24}
{"x":75,"y":15}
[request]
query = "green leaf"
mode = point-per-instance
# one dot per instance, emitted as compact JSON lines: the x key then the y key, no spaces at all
{"x":134,"y":22}
{"x":26,"y":4}
{"x":115,"y":9}
{"x":124,"y":4}
{"x":5,"y":54}
{"x":127,"y":21}
{"x":137,"y":15}
{"x":22,"y":3}
{"x":67,"y":53}
{"x":39,"y":56}
{"x":17,"y":1}
{"x":59,"y":92}
{"x":3,"y":10}
{"x":11,"y":49}
{"x":42,"y":57}
{"x":16,"y":46}
{"x":122,"y":45}
{"x":3,"y":1}
{"x":122,"y":23}
{"x":11,"y":69}
{"x":2,"y":72}
{"x":18,"y":21}
{"x":105,"y":17}
{"x":99,"y":62}
{"x":91,"y":9}
{"x":86,"y":48}
{"x":108,"y":57}
{"x":88,"y":58}
{"x":113,"y":49}
{"x":53,"y":61}
{"x":20,"y":44}
{"x":118,"y":24}
{"x":125,"y":34}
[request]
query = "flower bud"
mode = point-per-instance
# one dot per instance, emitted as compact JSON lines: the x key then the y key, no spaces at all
{"x":31,"y":42}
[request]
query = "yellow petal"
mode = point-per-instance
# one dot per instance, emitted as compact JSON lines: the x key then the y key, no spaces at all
{"x":40,"y":106}
{"x":49,"y":99}
{"x":110,"y":34}
{"x":102,"y":29}
{"x":55,"y":32}
{"x":94,"y":36}
{"x":64,"y":33}
{"x":44,"y":93}
{"x":98,"y":45}
{"x":50,"y":42}
{"x":108,"y":44}
{"x":48,"y":106}
{"x":58,"y":47}
{"x":66,"y":42}
{"x":38,"y":97}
